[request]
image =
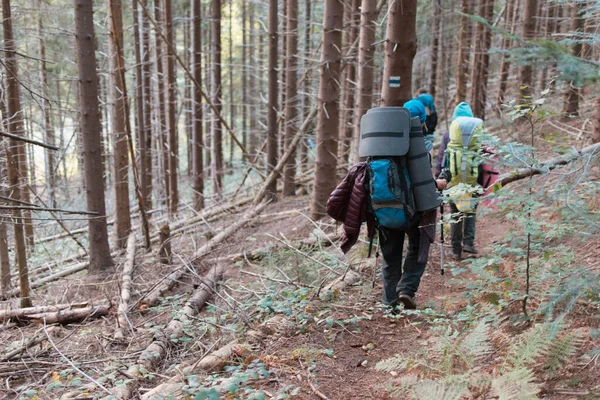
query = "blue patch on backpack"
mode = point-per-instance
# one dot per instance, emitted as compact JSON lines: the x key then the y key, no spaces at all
{"x":390,"y":193}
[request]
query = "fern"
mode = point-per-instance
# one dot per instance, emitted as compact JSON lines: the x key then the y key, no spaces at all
{"x":396,"y":363}
{"x":410,"y":387}
{"x":531,"y":346}
{"x":517,"y":384}
{"x":477,"y":343}
{"x":561,"y":350}
{"x":438,"y":390}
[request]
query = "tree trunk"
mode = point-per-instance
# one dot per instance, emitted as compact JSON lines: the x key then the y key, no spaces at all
{"x":197,"y":141}
{"x":329,"y":98}
{"x":231,"y":102}
{"x":245,"y":75}
{"x":187,"y":97}
{"x":252,"y":86}
{"x":509,"y":25}
{"x":145,"y":167}
{"x":526,"y":71}
{"x":400,"y":50}
{"x":100,"y":259}
{"x":349,"y":81}
{"x":48,"y":126}
{"x":596,"y":121}
{"x":550,"y":28}
{"x":171,"y":111}
{"x":4,"y":252}
{"x":272,"y":97}
{"x":118,"y":110}
{"x":435,"y":33}
{"x":15,"y":150}
{"x":216,"y":168}
{"x":365,"y":66}
{"x":291,"y":95}
{"x":303,"y":158}
{"x":571,"y":106}
{"x":482,"y":59}
{"x":464,"y":50}
{"x":161,"y":103}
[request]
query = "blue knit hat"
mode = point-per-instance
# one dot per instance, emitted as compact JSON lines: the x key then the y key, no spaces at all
{"x":417,"y":109}
{"x":462,"y":110}
{"x":427,"y":101}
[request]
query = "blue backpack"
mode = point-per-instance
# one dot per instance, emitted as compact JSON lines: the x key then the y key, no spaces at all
{"x":390,"y":192}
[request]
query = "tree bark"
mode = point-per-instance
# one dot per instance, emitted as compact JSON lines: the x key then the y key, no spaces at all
{"x":252,"y":86}
{"x":197,"y":141}
{"x":291,"y":95}
{"x":400,"y":50}
{"x":272,"y":98}
{"x":571,"y":105}
{"x":328,"y":114}
{"x":244,"y":107}
{"x":526,"y":71}
{"x":435,"y":33}
{"x":100,"y":259}
{"x":303,"y":158}
{"x":145,"y":167}
{"x":231,"y":102}
{"x":122,"y":320}
{"x":171,"y":110}
{"x":216,"y":168}
{"x":464,"y":50}
{"x":509,"y":25}
{"x":161,"y":103}
{"x":349,"y":81}
{"x":365,"y":66}
{"x":596,"y":120}
{"x":48,"y":126}
{"x":4,"y":252}
{"x":118,"y":110}
{"x":14,"y":151}
{"x":480,"y":69}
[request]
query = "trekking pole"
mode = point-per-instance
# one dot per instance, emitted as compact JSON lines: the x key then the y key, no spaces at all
{"x":442,"y":240}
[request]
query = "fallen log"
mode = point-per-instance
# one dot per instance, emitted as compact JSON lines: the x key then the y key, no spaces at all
{"x":211,"y":362}
{"x":51,"y":278}
{"x":340,"y":283}
{"x":122,"y":320}
{"x":29,"y":344}
{"x":68,"y":316}
{"x":164,"y":339}
{"x":152,"y":298}
{"x":18,"y":313}
{"x":545,"y":166}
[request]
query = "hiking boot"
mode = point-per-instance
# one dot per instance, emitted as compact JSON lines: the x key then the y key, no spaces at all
{"x":469,"y":249}
{"x":455,"y":256}
{"x":408,"y":301}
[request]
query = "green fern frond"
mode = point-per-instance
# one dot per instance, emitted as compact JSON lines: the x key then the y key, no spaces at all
{"x":477,"y":343}
{"x":531,"y":345}
{"x":396,"y":363}
{"x":438,"y":390}
{"x":561,"y":350}
{"x":411,"y":387}
{"x":516,"y":385}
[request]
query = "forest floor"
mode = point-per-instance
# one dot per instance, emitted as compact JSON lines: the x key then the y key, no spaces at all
{"x":306,"y":322}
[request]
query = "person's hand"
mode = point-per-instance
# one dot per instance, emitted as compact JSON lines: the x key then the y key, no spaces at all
{"x":441,"y":184}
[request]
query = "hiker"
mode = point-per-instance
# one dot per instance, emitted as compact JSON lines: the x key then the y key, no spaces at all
{"x":401,"y":282}
{"x":432,"y":118}
{"x":463,"y":231}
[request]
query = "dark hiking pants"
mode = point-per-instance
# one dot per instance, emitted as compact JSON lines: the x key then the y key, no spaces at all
{"x":396,"y":279}
{"x":463,"y":231}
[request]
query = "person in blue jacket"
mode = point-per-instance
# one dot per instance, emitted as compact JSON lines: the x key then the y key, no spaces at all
{"x":432,"y":118}
{"x":401,"y":282}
